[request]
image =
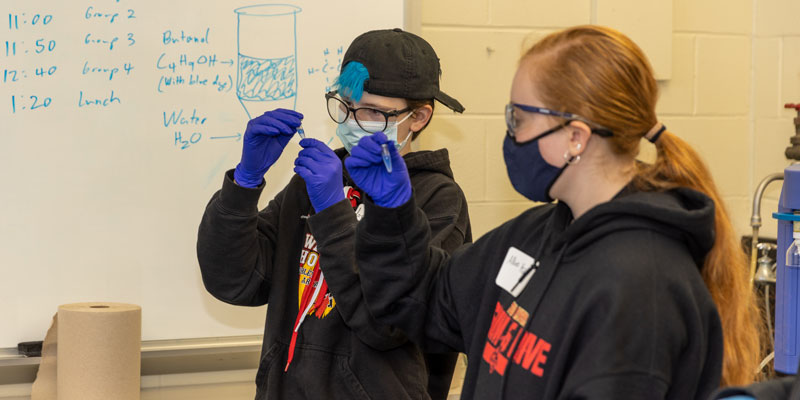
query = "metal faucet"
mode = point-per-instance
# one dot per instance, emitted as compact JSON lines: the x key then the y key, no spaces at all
{"x":765,"y":274}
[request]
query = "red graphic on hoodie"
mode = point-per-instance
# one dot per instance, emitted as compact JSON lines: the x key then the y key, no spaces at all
{"x":309,"y":265}
{"x":508,"y":340}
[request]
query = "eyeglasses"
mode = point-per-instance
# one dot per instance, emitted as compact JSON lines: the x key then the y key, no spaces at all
{"x":369,"y":119}
{"x":512,"y":122}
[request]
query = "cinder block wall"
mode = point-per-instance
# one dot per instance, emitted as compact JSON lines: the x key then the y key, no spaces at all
{"x":775,"y":82}
{"x":734,"y":65}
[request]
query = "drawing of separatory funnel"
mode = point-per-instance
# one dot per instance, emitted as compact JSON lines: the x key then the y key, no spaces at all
{"x":266,"y":77}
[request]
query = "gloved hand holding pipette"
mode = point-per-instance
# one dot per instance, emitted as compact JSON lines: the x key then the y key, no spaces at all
{"x":264,"y":140}
{"x":388,"y":185}
{"x":321,"y":169}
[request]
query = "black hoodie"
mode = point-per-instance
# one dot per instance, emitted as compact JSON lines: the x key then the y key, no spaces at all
{"x":252,"y":258}
{"x":615,"y":307}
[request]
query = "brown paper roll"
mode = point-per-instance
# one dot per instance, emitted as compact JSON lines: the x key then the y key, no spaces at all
{"x":44,"y":387}
{"x":99,"y":351}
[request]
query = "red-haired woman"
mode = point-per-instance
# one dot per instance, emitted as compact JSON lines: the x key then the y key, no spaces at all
{"x":631,"y":286}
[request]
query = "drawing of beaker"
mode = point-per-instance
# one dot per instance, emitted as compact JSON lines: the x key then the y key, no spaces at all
{"x":267,"y":74}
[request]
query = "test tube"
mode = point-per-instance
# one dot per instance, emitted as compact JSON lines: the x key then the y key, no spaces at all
{"x":301,"y":132}
{"x":387,"y":159}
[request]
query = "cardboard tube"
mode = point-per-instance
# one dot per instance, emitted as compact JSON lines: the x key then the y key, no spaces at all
{"x":99,"y":351}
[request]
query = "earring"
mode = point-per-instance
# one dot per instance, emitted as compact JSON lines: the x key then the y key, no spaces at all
{"x":574,"y":159}
{"x":571,"y":160}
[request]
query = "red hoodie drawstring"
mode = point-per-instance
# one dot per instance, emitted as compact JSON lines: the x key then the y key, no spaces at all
{"x":307,"y":298}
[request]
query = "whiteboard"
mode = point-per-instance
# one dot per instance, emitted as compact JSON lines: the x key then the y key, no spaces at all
{"x":119,"y":119}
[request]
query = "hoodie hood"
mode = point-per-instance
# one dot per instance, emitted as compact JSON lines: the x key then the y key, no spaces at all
{"x":429,"y":161}
{"x":681,"y":213}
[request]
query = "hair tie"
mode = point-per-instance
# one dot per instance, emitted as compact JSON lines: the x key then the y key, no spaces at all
{"x":655,"y":132}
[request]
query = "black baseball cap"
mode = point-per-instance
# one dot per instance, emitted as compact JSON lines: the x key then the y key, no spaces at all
{"x":400,"y":64}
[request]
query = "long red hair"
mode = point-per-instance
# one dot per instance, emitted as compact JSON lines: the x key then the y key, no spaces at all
{"x":600,"y":74}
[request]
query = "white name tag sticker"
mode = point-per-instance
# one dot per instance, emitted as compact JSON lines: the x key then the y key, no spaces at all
{"x":512,"y":276}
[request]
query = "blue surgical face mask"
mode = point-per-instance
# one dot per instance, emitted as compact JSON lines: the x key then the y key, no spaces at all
{"x":350,"y":132}
{"x":529,"y":173}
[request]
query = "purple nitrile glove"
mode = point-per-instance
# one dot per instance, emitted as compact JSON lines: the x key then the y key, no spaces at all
{"x":263,"y":143}
{"x":319,"y":166}
{"x":368,"y":171}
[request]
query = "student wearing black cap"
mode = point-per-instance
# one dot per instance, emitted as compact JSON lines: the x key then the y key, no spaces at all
{"x":298,"y":253}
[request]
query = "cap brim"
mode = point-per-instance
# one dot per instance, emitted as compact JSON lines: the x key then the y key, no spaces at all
{"x":448,"y":101}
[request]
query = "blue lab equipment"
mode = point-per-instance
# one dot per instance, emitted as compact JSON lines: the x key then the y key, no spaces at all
{"x":787,"y":291}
